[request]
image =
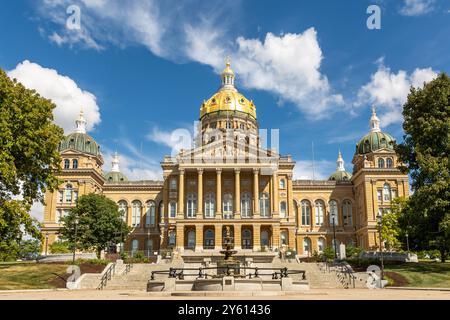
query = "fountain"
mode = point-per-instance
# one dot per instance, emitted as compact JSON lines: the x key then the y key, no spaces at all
{"x":229,"y":265}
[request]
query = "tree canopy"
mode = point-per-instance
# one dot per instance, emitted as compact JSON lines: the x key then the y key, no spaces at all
{"x":425,"y":155}
{"x":29,"y":157}
{"x":98,"y":223}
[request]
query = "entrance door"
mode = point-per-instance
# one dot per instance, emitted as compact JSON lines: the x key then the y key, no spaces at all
{"x":247,"y":241}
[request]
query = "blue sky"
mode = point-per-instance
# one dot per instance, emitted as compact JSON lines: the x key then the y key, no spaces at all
{"x":142,"y":69}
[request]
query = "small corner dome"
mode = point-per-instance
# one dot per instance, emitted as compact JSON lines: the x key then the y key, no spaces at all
{"x":80,"y":142}
{"x":113,"y":177}
{"x":340,"y":176}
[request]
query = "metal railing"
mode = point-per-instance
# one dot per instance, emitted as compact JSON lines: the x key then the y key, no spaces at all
{"x":128,"y":267}
{"x":107,"y":276}
{"x":201,"y":273}
{"x":345,"y":275}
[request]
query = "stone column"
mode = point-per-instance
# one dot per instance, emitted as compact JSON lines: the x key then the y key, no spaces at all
{"x":198,"y":238}
{"x":180,"y":206}
{"x":291,"y":239}
{"x":218,"y":237}
{"x":200,"y":194}
{"x":180,"y":237}
{"x":275,"y":195}
{"x":165,"y":199}
{"x":219,"y":194}
{"x":256,"y":237}
{"x":237,"y":237}
{"x":256,"y":193}
{"x":290,"y":199}
{"x":275,"y":236}
{"x":129,"y":213}
{"x":237,"y":193}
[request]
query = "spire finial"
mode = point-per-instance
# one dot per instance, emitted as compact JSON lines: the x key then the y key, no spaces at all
{"x":374,"y":121}
{"x":340,"y":162}
{"x":227,"y":75}
{"x":81,"y":122}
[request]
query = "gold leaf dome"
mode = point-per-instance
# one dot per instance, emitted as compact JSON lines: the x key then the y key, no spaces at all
{"x":228,"y":98}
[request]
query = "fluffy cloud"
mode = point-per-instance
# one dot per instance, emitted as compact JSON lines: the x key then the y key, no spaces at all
{"x":62,"y":90}
{"x":417,"y":7}
{"x":389,"y":90}
{"x":287,"y":66}
{"x":322,"y":169}
{"x":177,"y":139}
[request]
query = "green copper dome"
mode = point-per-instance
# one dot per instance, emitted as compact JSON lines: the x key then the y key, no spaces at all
{"x":374,"y":141}
{"x":112,"y":177}
{"x":81,"y":142}
{"x":341,"y":176}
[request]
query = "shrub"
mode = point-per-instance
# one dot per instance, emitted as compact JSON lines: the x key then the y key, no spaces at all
{"x":60,"y":247}
{"x":352,"y":251}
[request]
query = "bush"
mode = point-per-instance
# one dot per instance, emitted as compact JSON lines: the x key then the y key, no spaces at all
{"x":60,"y":247}
{"x":352,"y":251}
{"x":328,"y":254}
{"x":91,"y":261}
{"x":9,"y":251}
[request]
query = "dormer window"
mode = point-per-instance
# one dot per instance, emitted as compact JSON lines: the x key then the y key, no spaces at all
{"x":67,"y":164}
{"x":75,"y":164}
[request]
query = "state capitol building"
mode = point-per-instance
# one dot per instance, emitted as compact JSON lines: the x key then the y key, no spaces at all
{"x":228,"y":180}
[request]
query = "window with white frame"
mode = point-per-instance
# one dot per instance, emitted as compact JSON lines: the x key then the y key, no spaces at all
{"x":264,"y":205}
{"x":172,"y":209}
{"x":386,"y":192}
{"x":209,"y":205}
{"x":67,"y":164}
{"x":306,"y":246}
{"x":283,"y":209}
{"x":320,"y":208}
{"x":191,"y":205}
{"x":246,"y":205}
{"x":134,"y":247}
{"x":68,"y":193}
{"x":282,"y":184}
{"x":136,"y":214}
{"x":60,"y":196}
{"x":173,"y":184}
{"x":380,"y":195}
{"x":347,"y":213}
{"x":380,"y":163}
{"x":227,"y":204}
{"x":150,"y":215}
{"x":123,"y":206}
{"x":334,"y":213}
{"x":306,"y":212}
{"x":75,"y":196}
{"x":320,"y":245}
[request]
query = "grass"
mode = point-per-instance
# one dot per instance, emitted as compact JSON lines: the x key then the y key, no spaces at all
{"x":421,"y":274}
{"x":18,"y":276}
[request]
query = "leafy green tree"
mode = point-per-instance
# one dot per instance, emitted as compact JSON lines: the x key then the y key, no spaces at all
{"x":59,"y":247}
{"x":30,"y":248}
{"x":425,"y":155}
{"x":28,"y":158}
{"x":96,"y":221}
{"x":390,"y":227}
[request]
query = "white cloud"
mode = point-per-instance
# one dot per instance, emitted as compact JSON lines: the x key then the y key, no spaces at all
{"x":177,"y":139}
{"x":62,"y":90}
{"x":417,"y":7}
{"x":389,"y":90}
{"x":37,"y":211}
{"x":287,"y":66}
{"x":303,"y":169}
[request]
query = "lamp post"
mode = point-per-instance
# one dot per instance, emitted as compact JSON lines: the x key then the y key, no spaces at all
{"x":407,"y":241}
{"x":46,"y":243}
{"x":75,"y":240}
{"x":333,"y":217}
{"x":380,"y":225}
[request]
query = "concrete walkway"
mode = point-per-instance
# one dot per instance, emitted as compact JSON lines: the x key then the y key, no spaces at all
{"x":312,"y":294}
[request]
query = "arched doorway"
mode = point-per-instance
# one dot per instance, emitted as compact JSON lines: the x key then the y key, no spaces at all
{"x":191,"y":239}
{"x":247,"y":238}
{"x":306,"y":246}
{"x":209,"y":237}
{"x":265,"y":238}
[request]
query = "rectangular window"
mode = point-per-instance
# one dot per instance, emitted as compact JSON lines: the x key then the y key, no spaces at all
{"x":75,"y":196}
{"x":68,"y":195}
{"x":173,"y":209}
{"x":173,"y":184}
{"x":60,"y":196}
{"x":394,"y":193}
{"x":379,"y":193}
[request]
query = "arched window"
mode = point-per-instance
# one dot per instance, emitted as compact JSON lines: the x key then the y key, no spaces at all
{"x":150,"y":218}
{"x":75,"y":164}
{"x":69,"y":193}
{"x":282,"y":184}
{"x":264,"y":205}
{"x":264,"y":238}
{"x":172,"y":238}
{"x":191,"y":205}
{"x":283,"y":209}
{"x":347,"y":213}
{"x":172,"y":209}
{"x":209,"y":239}
{"x":380,"y":163}
{"x":191,"y":239}
{"x":228,"y":125}
{"x":209,"y":205}
{"x":306,"y":246}
{"x":319,"y":207}
{"x":306,"y":213}
{"x":67,"y":164}
{"x":149,"y":247}
{"x":320,"y":245}
{"x":246,"y":205}
{"x":247,"y":241}
{"x":389,"y":163}
{"x":227,"y":205}
{"x":386,"y":192}
{"x":334,"y":213}
{"x":123,"y":207}
{"x":136,"y":213}
{"x":134,"y":246}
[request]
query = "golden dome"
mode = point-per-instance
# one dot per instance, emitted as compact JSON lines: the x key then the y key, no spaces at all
{"x":228,"y":98}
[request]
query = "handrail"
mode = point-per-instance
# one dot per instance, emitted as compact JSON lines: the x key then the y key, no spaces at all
{"x":107,"y":276}
{"x":128,"y":267}
{"x":345,"y":275}
{"x":179,"y":273}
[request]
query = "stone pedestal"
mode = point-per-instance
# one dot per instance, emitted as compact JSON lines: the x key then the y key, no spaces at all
{"x":228,"y":283}
{"x":341,"y":252}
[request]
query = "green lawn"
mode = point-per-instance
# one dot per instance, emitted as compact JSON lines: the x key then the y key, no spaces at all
{"x":421,"y":274}
{"x":15,"y":276}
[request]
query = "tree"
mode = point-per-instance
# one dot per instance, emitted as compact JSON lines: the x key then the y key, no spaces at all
{"x":390,"y":226}
{"x":425,"y":155}
{"x":97,"y":222}
{"x":29,"y":249}
{"x":59,"y":247}
{"x":28,"y":157}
